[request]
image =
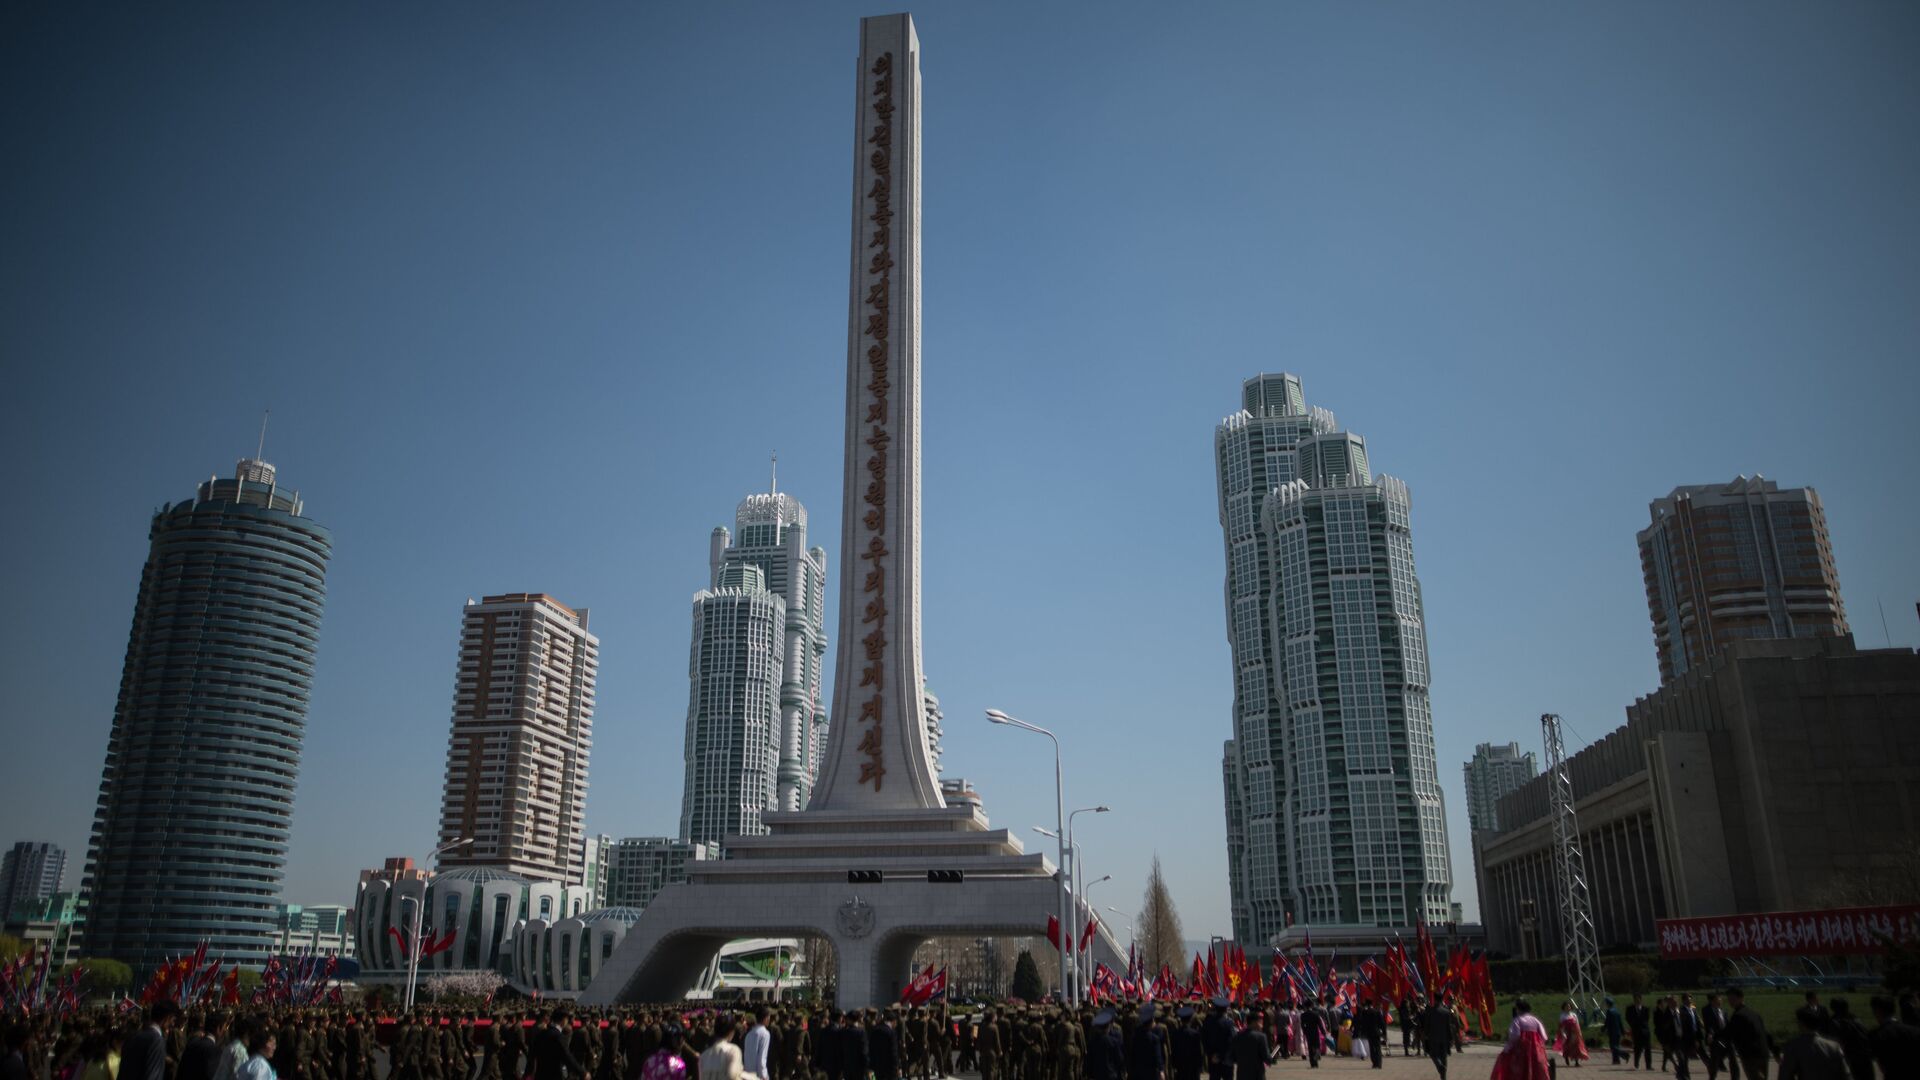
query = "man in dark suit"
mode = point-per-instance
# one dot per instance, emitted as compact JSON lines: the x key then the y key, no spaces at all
{"x":1896,"y":1045}
{"x":1216,"y":1035}
{"x":1371,"y":1024}
{"x":1252,"y":1051}
{"x":826,"y":1047}
{"x":1313,"y":1027}
{"x":883,"y":1048}
{"x":853,"y":1047}
{"x":1187,"y":1053}
{"x":202,"y":1055}
{"x":1106,"y":1056}
{"x":144,"y":1057}
{"x":1713,"y":1036}
{"x":1147,"y":1055}
{"x":1437,"y":1027}
{"x":1640,"y":1026}
{"x":552,"y":1055}
{"x":1747,"y":1034}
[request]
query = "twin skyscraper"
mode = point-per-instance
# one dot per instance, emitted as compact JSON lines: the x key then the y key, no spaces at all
{"x":1333,"y":805}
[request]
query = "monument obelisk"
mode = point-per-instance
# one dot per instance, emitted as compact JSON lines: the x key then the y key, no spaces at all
{"x":877,"y":754}
{"x":878,"y":862}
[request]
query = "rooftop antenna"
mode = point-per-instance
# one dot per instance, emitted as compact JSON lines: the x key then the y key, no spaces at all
{"x":773,"y":475}
{"x":262,"y":448}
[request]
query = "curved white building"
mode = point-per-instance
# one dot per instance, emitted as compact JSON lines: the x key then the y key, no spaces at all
{"x":558,"y":957}
{"x":483,"y":908}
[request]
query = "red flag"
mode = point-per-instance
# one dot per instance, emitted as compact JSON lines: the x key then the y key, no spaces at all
{"x":1429,"y":963}
{"x":1053,"y":930}
{"x":1087,"y":935}
{"x":1197,"y":984}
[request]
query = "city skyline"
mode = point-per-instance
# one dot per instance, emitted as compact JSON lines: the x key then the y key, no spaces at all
{"x":1103,"y":368}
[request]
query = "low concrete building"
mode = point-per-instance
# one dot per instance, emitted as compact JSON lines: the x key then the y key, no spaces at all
{"x":316,"y":929}
{"x":639,"y":866}
{"x":47,"y":923}
{"x":1751,"y":783}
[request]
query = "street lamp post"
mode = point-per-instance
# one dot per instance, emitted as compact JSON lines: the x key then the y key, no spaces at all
{"x":1079,"y":892}
{"x":1086,"y":897}
{"x":413,"y":938}
{"x":1068,"y":941}
{"x":1060,"y":823}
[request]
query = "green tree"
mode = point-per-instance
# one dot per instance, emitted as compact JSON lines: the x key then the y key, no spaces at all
{"x":10,"y":948}
{"x":106,"y":977}
{"x":1027,"y":985}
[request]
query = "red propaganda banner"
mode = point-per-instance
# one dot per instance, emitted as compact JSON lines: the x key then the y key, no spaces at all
{"x":1835,"y":931}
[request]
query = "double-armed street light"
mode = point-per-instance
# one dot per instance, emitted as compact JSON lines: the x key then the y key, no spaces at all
{"x":1086,"y":897}
{"x":998,"y":716}
{"x":1082,"y":971}
{"x":413,"y":939}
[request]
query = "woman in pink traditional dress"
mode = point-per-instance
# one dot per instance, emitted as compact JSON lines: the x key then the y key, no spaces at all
{"x":666,"y":1062}
{"x":1572,"y":1042}
{"x":1525,"y":1056}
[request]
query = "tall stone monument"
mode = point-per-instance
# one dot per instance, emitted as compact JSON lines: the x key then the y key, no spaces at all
{"x":857,"y":866}
{"x":878,"y":681}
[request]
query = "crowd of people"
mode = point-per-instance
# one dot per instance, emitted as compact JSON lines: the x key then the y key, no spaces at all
{"x":1144,"y":1041}
{"x":1732,"y":1038}
{"x":775,"y":1042}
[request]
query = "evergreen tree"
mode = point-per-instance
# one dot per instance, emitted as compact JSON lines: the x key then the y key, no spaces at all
{"x":1027,"y":985}
{"x":1158,"y":931}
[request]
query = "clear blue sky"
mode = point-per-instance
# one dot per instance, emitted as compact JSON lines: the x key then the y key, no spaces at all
{"x":532,"y":293}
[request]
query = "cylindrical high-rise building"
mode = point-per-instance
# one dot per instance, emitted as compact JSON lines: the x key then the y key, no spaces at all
{"x":196,"y":800}
{"x":733,"y":741}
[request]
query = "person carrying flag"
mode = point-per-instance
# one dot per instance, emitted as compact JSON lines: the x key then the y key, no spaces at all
{"x":1437,"y":1026}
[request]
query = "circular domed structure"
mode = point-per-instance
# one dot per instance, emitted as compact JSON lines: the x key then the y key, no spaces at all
{"x":480,"y":906}
{"x":558,"y":958}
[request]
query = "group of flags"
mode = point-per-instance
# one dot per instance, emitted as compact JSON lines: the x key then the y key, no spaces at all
{"x":194,"y":981}
{"x":929,"y":985}
{"x":190,"y":981}
{"x":1400,"y":974}
{"x":30,"y":986}
{"x":299,"y":980}
{"x":1086,"y":935}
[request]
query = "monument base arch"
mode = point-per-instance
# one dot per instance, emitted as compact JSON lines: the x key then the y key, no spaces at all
{"x":794,"y":883}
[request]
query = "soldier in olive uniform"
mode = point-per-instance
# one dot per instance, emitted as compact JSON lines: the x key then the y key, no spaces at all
{"x":1069,"y":1046}
{"x":986,"y":1046}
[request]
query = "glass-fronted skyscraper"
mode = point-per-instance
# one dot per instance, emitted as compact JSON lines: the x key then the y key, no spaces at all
{"x":1253,"y":454}
{"x":755,"y":725}
{"x":1333,"y":804}
{"x":771,"y":533}
{"x":733,"y":709}
{"x":196,"y":800}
